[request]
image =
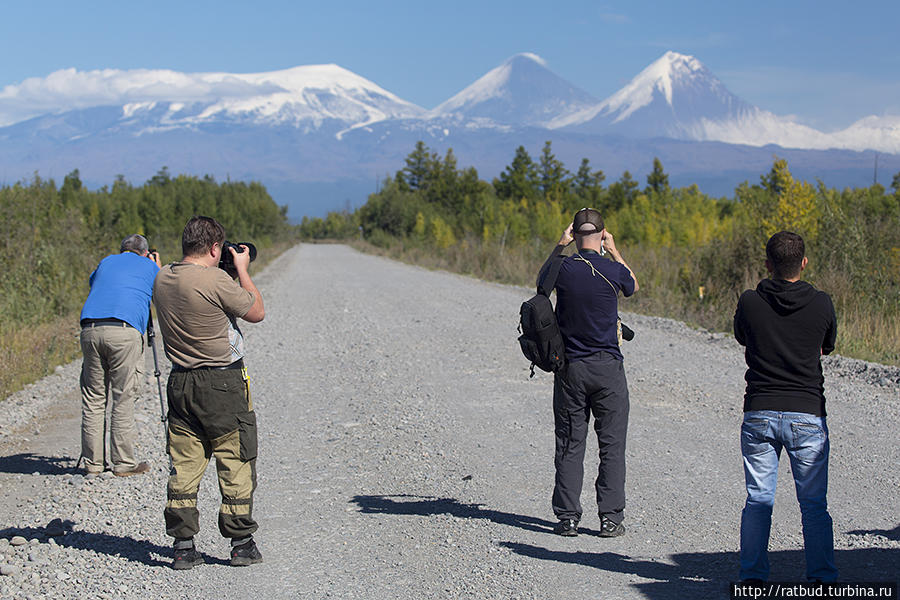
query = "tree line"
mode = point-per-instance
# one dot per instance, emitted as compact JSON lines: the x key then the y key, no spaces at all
{"x":694,"y":253}
{"x":52,"y":237}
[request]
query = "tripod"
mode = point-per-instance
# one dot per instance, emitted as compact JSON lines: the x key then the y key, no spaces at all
{"x":151,"y":341}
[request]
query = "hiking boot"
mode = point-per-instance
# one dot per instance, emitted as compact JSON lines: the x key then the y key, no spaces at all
{"x":609,"y":528}
{"x":245,"y":554}
{"x":141,"y":467}
{"x":566,"y":528}
{"x":186,"y":558}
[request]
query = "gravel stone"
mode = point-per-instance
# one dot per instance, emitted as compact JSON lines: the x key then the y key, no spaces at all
{"x":405,"y":453}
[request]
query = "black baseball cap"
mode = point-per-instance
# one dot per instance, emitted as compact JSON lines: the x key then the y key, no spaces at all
{"x":587,"y":221}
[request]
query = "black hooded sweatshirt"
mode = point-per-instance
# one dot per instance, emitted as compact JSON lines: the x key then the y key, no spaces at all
{"x":786,"y":327}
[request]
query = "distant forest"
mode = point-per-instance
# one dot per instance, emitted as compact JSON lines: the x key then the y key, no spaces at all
{"x":51,"y":239}
{"x":693,"y":254}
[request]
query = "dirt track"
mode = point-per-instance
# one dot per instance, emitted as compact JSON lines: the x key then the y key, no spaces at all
{"x":405,"y":453}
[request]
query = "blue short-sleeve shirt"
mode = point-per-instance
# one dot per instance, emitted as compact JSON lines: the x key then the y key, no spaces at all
{"x":121,"y":288}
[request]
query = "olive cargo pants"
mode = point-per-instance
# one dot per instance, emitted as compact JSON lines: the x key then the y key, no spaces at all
{"x":211,"y":414}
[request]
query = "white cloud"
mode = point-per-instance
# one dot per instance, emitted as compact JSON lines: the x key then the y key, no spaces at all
{"x":829,"y":101}
{"x":69,"y":89}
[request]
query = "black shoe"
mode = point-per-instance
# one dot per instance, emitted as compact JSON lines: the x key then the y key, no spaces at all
{"x":245,"y":554}
{"x":186,"y":558}
{"x":609,"y":528}
{"x":566,"y":528}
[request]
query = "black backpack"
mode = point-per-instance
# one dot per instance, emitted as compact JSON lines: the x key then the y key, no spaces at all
{"x":541,"y":341}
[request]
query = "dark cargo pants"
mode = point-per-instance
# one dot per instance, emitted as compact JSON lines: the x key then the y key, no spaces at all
{"x":592,"y":385}
{"x":211,"y":414}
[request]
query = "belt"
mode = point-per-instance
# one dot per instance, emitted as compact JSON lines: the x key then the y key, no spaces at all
{"x":238,"y":364}
{"x":110,"y":322}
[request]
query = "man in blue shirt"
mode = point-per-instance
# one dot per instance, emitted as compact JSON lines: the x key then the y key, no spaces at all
{"x":593,"y":380}
{"x":113,"y":320}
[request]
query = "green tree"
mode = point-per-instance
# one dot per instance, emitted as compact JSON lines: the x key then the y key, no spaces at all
{"x":657,"y":180}
{"x":553,"y":175}
{"x":588,"y":187}
{"x":519,"y":179}
{"x":419,"y":164}
{"x":622,"y":192}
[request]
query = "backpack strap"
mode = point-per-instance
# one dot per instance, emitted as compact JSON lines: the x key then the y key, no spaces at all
{"x":547,"y":279}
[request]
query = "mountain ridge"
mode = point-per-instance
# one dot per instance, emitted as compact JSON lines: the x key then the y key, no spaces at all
{"x":316,"y":127}
{"x":675,"y":96}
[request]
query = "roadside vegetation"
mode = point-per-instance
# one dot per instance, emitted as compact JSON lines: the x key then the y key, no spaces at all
{"x":51,"y":239}
{"x":692,"y":253}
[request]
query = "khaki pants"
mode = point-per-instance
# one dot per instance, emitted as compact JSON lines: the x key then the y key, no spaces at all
{"x":211,"y":414}
{"x":109,"y":376}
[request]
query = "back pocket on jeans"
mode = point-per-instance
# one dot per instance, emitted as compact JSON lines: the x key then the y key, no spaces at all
{"x":809,"y":440}
{"x":753,"y":437}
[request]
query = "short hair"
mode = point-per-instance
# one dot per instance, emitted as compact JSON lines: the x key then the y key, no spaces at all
{"x":135,"y":243}
{"x":200,"y":234}
{"x":785,"y":251}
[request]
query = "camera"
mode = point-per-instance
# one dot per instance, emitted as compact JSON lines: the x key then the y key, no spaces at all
{"x":226,"y":262}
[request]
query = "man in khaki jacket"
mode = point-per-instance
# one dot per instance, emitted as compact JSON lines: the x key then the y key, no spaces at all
{"x":210,"y":410}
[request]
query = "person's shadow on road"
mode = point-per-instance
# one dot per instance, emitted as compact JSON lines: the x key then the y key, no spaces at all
{"x":698,"y":575}
{"x":27,"y":463}
{"x":409,"y":504}
{"x":64,"y":534}
{"x":692,"y":575}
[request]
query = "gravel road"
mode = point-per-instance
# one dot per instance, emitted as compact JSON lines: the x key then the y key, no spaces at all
{"x":405,"y":453}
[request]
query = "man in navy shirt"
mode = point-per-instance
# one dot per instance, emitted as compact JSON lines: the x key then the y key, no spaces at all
{"x":593,"y":380}
{"x":113,"y":320}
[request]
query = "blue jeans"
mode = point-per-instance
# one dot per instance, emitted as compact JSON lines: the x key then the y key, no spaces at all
{"x":805,"y":438}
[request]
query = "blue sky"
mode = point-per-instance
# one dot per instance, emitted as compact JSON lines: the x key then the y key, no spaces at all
{"x":828,"y":63}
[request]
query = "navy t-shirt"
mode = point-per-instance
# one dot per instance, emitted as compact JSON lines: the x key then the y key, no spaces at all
{"x":587,"y":306}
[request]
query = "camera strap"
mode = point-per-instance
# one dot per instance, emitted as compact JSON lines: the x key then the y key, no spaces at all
{"x":595,"y":272}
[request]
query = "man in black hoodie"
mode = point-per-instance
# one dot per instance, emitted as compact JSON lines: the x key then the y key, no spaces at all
{"x":786,"y":325}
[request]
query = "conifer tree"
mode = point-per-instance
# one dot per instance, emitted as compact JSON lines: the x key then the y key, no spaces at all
{"x":588,"y":186}
{"x":519,"y":179}
{"x":552,"y":174}
{"x":657,"y":180}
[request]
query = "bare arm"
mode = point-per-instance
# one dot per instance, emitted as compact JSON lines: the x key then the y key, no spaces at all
{"x":257,"y":311}
{"x":610,"y":244}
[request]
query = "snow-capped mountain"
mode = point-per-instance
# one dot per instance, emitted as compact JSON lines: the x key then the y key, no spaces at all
{"x":306,"y":132}
{"x":520,"y":92}
{"x":306,"y":97}
{"x":678,"y":97}
{"x":671,"y":94}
